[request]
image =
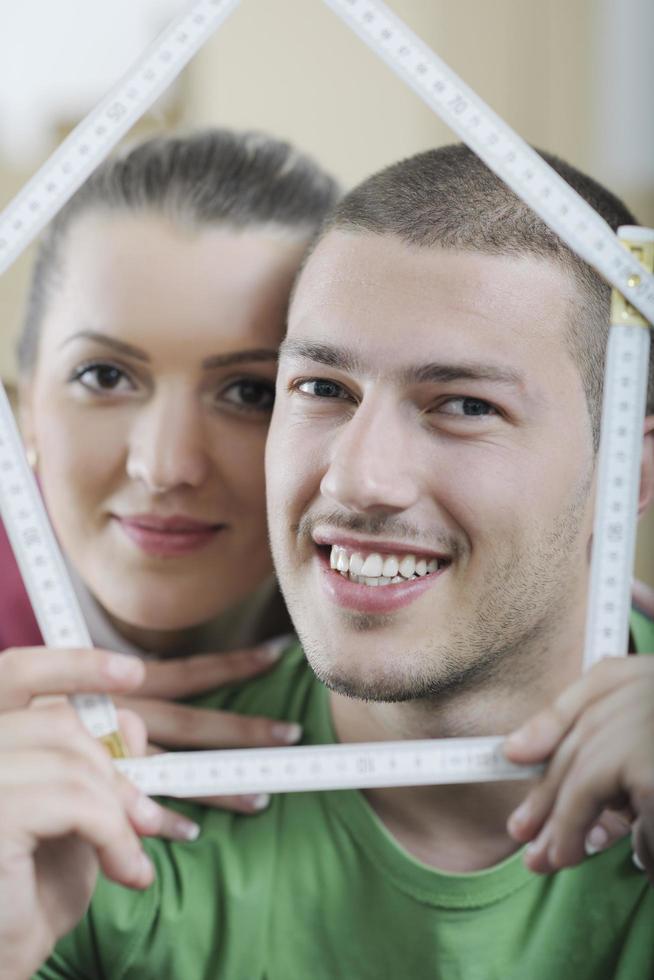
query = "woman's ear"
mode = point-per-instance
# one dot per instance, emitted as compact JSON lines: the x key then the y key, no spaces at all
{"x":646,"y":494}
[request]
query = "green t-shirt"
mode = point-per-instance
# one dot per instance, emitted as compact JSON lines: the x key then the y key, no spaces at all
{"x":315,"y":888}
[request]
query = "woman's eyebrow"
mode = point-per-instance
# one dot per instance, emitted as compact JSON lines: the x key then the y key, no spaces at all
{"x":101,"y":338}
{"x":260,"y":354}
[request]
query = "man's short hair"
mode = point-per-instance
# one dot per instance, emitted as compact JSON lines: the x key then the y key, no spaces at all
{"x":449,"y":198}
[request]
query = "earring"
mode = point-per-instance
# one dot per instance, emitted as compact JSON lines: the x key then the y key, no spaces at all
{"x":32,"y":457}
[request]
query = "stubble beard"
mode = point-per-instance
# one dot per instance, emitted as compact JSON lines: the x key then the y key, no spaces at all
{"x":505,"y":640}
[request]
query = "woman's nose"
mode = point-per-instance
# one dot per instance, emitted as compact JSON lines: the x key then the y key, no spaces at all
{"x":169,"y":446}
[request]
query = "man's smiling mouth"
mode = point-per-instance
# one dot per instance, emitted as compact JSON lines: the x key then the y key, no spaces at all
{"x":375,"y":569}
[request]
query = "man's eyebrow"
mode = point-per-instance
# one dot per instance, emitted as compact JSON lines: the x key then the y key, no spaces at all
{"x":215,"y":361}
{"x":336,"y":357}
{"x":466,"y":371}
{"x":347,"y":360}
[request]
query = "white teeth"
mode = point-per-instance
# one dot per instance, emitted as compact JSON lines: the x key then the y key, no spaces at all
{"x":391,"y":567}
{"x":407,"y":566}
{"x":378,"y":570}
{"x":356,"y":564}
{"x":343,"y":562}
{"x":372,"y":566}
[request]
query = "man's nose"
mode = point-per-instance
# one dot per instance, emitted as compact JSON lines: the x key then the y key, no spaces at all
{"x":370,"y":468}
{"x":169,"y":446}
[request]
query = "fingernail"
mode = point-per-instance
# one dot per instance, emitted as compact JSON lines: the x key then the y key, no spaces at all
{"x":258,"y":802}
{"x":637,"y":862}
{"x":121,"y":667}
{"x":273,"y":649}
{"x":596,"y":841}
{"x":289,"y":734}
{"x":184,"y":829}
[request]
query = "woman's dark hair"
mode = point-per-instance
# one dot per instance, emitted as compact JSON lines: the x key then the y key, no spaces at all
{"x":212,"y":177}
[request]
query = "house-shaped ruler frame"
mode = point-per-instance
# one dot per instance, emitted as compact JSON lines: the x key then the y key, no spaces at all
{"x":501,"y":149}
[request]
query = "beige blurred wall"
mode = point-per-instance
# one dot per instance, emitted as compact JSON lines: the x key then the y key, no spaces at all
{"x":291,"y":67}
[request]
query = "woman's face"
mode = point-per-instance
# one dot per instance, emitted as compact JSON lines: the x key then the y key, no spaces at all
{"x":149,"y":407}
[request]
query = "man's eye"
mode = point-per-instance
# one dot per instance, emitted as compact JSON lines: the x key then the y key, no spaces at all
{"x":103,"y":377}
{"x":250,"y":394}
{"x":321,"y":388}
{"x":469,"y":407}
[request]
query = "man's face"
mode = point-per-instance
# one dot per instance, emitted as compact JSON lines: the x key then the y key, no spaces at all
{"x":431,"y":440}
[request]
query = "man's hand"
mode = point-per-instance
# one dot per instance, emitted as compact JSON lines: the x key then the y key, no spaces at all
{"x":175,"y":726}
{"x":599,"y":739}
{"x":64,"y":809}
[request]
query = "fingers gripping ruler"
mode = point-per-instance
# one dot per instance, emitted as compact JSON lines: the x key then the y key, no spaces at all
{"x":333,"y":767}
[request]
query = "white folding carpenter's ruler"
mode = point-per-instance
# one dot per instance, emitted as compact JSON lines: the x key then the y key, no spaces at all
{"x":376,"y":764}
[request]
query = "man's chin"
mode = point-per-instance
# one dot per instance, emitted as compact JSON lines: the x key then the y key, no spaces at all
{"x":395,"y":672}
{"x":373,"y":682}
{"x":359,"y":690}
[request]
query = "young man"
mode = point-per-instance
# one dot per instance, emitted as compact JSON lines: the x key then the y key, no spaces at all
{"x":431,"y":472}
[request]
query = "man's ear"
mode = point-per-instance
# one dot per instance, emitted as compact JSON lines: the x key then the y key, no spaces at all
{"x":646,"y":494}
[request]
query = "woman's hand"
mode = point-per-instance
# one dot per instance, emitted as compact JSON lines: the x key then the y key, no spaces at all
{"x":599,"y":739}
{"x":64,"y":808}
{"x":175,"y":726}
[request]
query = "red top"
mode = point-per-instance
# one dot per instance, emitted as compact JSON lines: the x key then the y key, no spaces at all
{"x":18,"y":627}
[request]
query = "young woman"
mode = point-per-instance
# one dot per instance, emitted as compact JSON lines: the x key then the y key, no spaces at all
{"x":147,"y":365}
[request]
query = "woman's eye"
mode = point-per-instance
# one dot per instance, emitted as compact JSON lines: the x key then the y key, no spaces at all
{"x":321,"y":388}
{"x":250,"y":394}
{"x":103,"y":377}
{"x":469,"y":407}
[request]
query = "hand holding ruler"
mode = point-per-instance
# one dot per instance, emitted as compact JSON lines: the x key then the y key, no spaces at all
{"x":628,"y":269}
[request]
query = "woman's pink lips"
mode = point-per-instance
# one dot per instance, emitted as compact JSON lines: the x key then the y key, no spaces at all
{"x":372,"y":599}
{"x":167,"y":537}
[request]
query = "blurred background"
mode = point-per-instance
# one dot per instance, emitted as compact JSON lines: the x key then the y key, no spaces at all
{"x":571,"y":76}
